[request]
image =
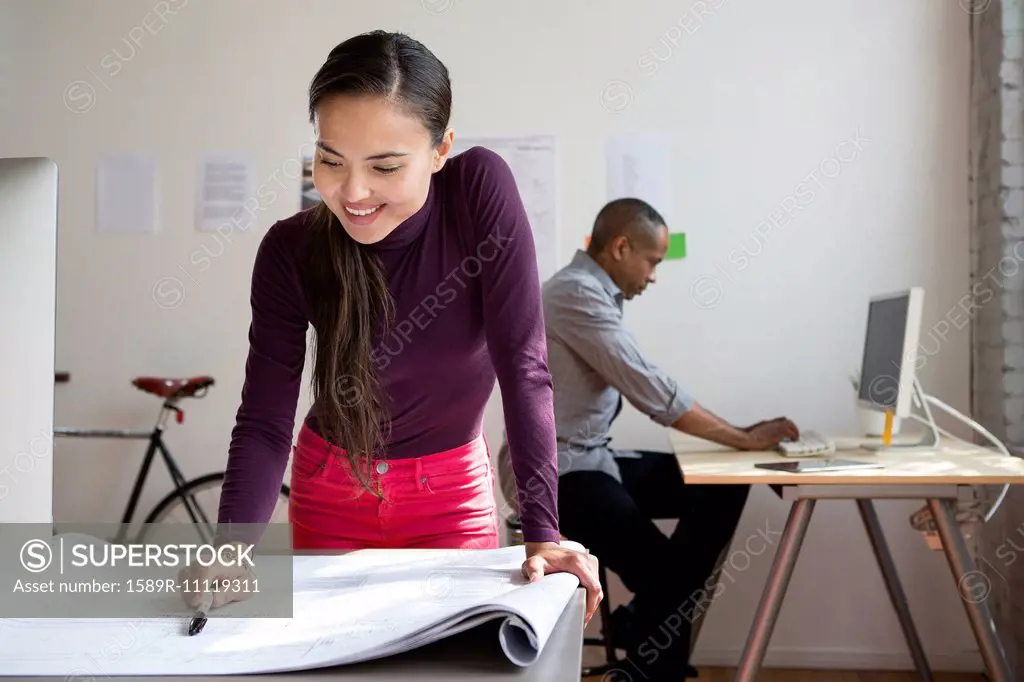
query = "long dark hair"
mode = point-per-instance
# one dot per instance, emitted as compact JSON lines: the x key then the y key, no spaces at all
{"x":348,"y":293}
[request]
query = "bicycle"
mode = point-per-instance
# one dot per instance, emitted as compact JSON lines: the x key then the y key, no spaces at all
{"x":186,"y":492}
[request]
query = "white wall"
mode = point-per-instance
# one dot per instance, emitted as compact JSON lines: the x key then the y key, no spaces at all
{"x":758,"y":96}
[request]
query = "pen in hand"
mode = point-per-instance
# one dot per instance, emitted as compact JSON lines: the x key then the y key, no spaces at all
{"x":198,"y":621}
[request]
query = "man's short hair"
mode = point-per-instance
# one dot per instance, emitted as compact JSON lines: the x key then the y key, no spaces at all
{"x":629,"y":216}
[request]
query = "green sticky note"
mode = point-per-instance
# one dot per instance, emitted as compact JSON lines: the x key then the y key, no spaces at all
{"x":676,"y":246}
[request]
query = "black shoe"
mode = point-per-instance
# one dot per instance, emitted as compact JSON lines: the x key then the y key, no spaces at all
{"x":690,"y":673}
{"x":621,"y":630}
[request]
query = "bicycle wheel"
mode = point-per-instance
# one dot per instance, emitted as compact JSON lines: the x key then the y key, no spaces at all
{"x":203,"y":492}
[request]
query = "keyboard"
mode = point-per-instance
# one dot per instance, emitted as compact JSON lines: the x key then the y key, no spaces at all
{"x":811,"y":443}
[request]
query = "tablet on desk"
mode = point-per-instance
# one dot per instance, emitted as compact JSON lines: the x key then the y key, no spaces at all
{"x":804,"y":466}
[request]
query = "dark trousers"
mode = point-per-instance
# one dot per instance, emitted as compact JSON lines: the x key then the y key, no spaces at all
{"x":667,"y":574}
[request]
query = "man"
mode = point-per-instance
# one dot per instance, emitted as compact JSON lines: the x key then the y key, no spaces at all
{"x":608,"y":498}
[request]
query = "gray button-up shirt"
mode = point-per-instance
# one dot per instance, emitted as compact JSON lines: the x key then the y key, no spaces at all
{"x":594,"y":362}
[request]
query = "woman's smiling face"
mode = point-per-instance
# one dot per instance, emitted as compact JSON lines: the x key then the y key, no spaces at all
{"x":373,"y":164}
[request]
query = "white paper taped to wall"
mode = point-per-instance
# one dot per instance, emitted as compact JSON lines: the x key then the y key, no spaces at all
{"x":640,"y":165}
{"x":226,"y":180}
{"x":126,"y":193}
{"x":347,"y":609}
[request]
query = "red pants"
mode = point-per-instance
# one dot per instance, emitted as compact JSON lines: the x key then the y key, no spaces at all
{"x":443,"y":500}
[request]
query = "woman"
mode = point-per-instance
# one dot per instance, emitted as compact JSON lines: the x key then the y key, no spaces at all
{"x":418,"y":274}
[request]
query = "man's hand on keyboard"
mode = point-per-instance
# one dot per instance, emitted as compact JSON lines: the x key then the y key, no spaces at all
{"x":766,"y":435}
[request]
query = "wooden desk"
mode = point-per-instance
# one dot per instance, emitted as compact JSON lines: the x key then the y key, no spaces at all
{"x":471,"y":655}
{"x":955,"y":463}
{"x":940,"y":476}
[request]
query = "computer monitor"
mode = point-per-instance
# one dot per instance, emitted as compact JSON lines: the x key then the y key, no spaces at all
{"x":28,"y":302}
{"x":890,"y":352}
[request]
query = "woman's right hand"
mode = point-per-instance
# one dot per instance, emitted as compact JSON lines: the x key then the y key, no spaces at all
{"x":227,"y":582}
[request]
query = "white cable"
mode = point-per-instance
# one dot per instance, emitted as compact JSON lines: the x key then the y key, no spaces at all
{"x":938,"y":428}
{"x":980,"y":429}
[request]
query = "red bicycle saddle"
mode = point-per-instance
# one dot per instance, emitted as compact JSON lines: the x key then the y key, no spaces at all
{"x":166,"y":388}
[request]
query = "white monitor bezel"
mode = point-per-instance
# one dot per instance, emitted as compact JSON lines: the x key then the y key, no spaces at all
{"x":28,"y":233}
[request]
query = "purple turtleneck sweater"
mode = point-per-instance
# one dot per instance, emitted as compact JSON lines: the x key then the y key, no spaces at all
{"x":463,"y":274}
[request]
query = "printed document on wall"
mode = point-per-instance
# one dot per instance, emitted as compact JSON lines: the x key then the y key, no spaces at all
{"x":534,"y":163}
{"x":640,"y":165}
{"x":225,"y":191}
{"x":126,"y":193}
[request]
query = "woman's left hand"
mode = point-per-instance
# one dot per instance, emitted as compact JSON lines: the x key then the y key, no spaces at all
{"x":550,"y":557}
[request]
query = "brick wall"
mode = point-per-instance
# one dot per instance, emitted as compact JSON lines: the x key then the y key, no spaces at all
{"x":997,"y":266}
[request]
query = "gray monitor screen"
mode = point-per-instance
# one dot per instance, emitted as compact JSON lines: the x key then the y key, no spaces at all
{"x":883,"y":352}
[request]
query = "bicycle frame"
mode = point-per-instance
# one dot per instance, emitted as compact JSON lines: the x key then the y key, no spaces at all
{"x":156,"y":444}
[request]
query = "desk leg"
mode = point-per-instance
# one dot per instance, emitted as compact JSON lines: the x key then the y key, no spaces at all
{"x":774,"y":590}
{"x":892,"y":583}
{"x":977,"y":610}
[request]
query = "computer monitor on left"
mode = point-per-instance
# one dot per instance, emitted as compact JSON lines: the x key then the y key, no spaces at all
{"x":28,"y":303}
